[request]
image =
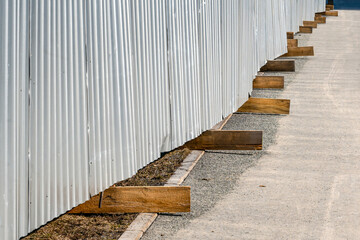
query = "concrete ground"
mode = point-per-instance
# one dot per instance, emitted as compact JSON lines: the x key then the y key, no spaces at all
{"x":310,"y":166}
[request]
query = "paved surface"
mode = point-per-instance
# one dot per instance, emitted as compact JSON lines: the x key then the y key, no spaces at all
{"x":310,"y":166}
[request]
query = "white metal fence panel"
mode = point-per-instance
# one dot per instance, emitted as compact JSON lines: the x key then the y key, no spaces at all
{"x":14,"y":78}
{"x":58,"y":149}
{"x":184,"y":70}
{"x":210,"y":63}
{"x":291,"y":16}
{"x":231,"y":33}
{"x":128,"y":88}
{"x":92,"y":91}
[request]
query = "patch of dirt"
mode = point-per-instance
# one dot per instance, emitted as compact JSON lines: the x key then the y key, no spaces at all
{"x":157,"y":173}
{"x":76,"y":226}
{"x":110,"y":226}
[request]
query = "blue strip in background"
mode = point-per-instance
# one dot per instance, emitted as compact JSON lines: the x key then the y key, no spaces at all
{"x":347,"y":4}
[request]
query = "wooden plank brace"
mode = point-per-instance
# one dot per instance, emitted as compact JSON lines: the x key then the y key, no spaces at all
{"x":274,"y":82}
{"x":227,"y":140}
{"x":299,"y":51}
{"x":138,"y":200}
{"x":279,"y":66}
{"x":304,"y":29}
{"x":331,"y":7}
{"x":266,"y":106}
{"x":312,"y":24}
{"x":332,"y":13}
{"x":292,"y":42}
{"x":320,"y":19}
{"x":290,"y":35}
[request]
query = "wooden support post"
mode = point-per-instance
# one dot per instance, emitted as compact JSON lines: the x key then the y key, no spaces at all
{"x":227,"y":140}
{"x":279,"y":66}
{"x":276,"y":82}
{"x":320,"y":19}
{"x":290,"y":35}
{"x":332,"y":13}
{"x":138,"y":200}
{"x":304,"y":29}
{"x":292,"y":42}
{"x":266,"y":105}
{"x":312,"y":24}
{"x":331,"y":7}
{"x":299,"y":51}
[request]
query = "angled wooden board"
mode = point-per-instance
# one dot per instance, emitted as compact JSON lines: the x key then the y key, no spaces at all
{"x":299,"y":51}
{"x":292,"y":42}
{"x":266,"y":106}
{"x":279,"y":66}
{"x":227,"y":140}
{"x":332,"y":13}
{"x":138,"y":200}
{"x":290,"y":35}
{"x":274,"y":82}
{"x":312,"y":24}
{"x":331,"y":7}
{"x":304,"y":29}
{"x":320,"y":19}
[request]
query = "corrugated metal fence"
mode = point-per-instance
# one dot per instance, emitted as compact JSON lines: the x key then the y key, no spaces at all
{"x":91,"y":91}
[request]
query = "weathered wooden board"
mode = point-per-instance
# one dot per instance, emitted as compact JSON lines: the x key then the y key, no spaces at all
{"x":320,"y":19}
{"x":331,"y":7}
{"x":138,"y":200}
{"x":290,"y":35}
{"x":292,"y":42}
{"x":276,"y":82}
{"x":312,"y":24}
{"x":299,"y":51}
{"x":266,"y":105}
{"x":279,"y":66}
{"x":227,"y":140}
{"x":304,"y":29}
{"x":332,"y":13}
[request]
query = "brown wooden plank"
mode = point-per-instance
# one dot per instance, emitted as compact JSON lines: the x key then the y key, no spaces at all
{"x":266,"y":105}
{"x":331,"y":7}
{"x":304,"y":29}
{"x":312,"y":24}
{"x":269,"y":82}
{"x":290,"y":35}
{"x":138,"y":200}
{"x":320,"y":19}
{"x":299,"y":51}
{"x":332,"y":13}
{"x":227,"y":140}
{"x":279,"y":66}
{"x":292,"y":42}
{"x":318,"y":15}
{"x":327,"y":9}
